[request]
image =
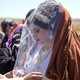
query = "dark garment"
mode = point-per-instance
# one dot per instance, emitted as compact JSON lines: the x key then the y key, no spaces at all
{"x":6,"y":67}
{"x":6,"y":62}
{"x":5,"y":39}
{"x":15,"y":44}
{"x":14,"y":40}
{"x":3,"y":45}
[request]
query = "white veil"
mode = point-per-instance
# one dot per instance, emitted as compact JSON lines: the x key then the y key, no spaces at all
{"x":50,"y":16}
{"x":27,"y":41}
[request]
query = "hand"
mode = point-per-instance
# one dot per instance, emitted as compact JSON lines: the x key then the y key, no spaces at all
{"x":18,"y":73}
{"x":2,"y":76}
{"x":33,"y":76}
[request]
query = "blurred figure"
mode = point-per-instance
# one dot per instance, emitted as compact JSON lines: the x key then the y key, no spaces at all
{"x":13,"y":42}
{"x":14,"y":39}
{"x":1,"y":37}
{"x":7,"y":27}
{"x":12,"y":45}
{"x":27,"y":15}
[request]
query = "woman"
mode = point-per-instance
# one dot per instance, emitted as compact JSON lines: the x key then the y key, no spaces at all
{"x":53,"y":48}
{"x":14,"y":38}
{"x":7,"y":27}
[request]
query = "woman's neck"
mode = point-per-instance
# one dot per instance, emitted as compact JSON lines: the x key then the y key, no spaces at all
{"x":49,"y":44}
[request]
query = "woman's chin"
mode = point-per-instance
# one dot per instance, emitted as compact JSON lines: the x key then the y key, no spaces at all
{"x":39,"y":41}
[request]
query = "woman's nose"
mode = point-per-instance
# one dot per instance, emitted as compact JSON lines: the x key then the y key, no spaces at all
{"x":34,"y":35}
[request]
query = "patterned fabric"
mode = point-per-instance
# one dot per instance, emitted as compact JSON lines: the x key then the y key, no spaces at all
{"x":6,"y":63}
{"x":47,"y":15}
{"x":14,"y":41}
{"x":16,"y":30}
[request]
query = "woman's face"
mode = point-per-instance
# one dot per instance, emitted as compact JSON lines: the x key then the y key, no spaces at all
{"x":8,"y":30}
{"x":41,"y":35}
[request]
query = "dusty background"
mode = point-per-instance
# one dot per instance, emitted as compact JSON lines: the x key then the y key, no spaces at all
{"x":76,"y":23}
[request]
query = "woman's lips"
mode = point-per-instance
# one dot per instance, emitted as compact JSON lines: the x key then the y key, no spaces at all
{"x":37,"y":39}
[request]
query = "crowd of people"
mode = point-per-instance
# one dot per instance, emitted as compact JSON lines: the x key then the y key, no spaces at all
{"x":45,"y":47}
{"x":9,"y":43}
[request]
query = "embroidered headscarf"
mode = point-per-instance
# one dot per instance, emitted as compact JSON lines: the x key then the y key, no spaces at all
{"x":47,"y":15}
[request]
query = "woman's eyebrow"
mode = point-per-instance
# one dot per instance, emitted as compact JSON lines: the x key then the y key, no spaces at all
{"x":35,"y":29}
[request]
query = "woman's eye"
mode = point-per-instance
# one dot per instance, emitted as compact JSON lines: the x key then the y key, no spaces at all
{"x":37,"y":31}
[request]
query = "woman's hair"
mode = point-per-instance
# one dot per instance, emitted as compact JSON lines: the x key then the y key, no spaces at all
{"x":1,"y":35}
{"x":28,"y":14}
{"x":47,"y":16}
{"x":6,"y":23}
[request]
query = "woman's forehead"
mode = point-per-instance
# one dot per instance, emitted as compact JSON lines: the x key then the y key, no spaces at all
{"x":32,"y":26}
{"x":35,"y":27}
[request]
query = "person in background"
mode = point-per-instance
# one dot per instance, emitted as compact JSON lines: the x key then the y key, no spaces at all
{"x":13,"y":42}
{"x":23,"y":21}
{"x":7,"y":27}
{"x":12,"y":45}
{"x":1,"y":37}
